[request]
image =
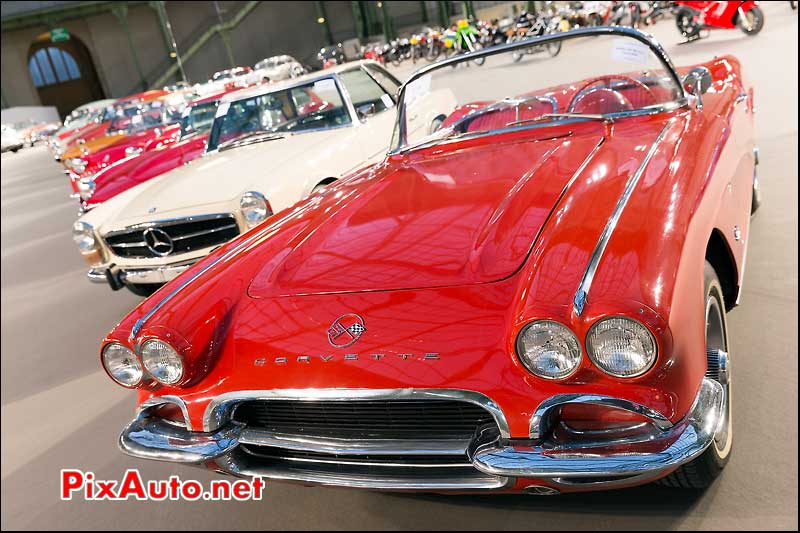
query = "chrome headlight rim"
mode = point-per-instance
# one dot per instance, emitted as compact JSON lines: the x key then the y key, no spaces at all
{"x":137,"y":368}
{"x":592,"y":357}
{"x":77,"y":164}
{"x":82,"y":231}
{"x":257,"y":196}
{"x":86,"y":186}
{"x":578,"y":363}
{"x":153,"y":370}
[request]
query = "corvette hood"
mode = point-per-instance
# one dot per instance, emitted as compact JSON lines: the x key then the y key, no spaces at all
{"x":222,"y":176}
{"x":465,"y":214}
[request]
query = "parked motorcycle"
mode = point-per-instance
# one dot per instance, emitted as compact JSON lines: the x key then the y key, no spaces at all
{"x":467,"y":39}
{"x":528,"y":27}
{"x":626,"y":14}
{"x":693,"y":17}
{"x":330,"y":56}
{"x":657,"y":11}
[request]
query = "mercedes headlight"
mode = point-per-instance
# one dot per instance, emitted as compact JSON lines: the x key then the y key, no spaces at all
{"x":77,"y":165}
{"x":162,"y":361}
{"x":133,"y":150}
{"x":255,"y":207}
{"x":621,"y":347}
{"x":83,"y":235}
{"x":548,"y":349}
{"x":122,"y":365}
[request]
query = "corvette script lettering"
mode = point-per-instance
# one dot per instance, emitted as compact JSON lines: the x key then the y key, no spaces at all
{"x":308,"y":359}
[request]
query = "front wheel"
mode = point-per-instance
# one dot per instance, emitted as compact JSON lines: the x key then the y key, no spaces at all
{"x":475,"y":47}
{"x":754,"y":21}
{"x":700,"y":472}
{"x":687,"y":24}
{"x":553,"y":48}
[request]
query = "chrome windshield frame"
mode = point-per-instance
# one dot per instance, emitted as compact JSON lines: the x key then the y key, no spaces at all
{"x":400,"y":127}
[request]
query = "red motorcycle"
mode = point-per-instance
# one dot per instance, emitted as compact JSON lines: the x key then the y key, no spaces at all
{"x":692,"y":17}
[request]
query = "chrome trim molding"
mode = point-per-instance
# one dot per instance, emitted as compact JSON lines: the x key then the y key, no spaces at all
{"x":157,"y":439}
{"x":541,"y":419}
{"x":260,"y":437}
{"x":155,"y":401}
{"x":168,"y":222}
{"x":581,"y":295}
{"x":682,"y":443}
{"x":493,"y":466}
{"x":219,"y":409}
{"x":240,"y":466}
{"x":97,"y":275}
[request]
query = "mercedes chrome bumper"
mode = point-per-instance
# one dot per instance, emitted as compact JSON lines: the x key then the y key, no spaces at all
{"x":496,"y":465}
{"x":119,"y":276}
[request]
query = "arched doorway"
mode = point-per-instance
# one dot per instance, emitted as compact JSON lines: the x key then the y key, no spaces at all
{"x":63,"y":73}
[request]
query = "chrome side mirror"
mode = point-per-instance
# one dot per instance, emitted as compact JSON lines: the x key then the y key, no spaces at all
{"x":696,"y":82}
{"x":365,"y":111}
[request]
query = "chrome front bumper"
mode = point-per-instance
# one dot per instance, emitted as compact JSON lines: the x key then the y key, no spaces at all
{"x":495,"y":466}
{"x":137,"y":276}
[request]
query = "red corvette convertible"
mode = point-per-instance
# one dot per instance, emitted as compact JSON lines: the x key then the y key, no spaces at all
{"x":530,"y":296}
{"x":158,"y":157}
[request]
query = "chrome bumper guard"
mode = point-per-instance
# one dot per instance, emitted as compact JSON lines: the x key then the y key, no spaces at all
{"x":493,"y":466}
{"x":135,"y":276}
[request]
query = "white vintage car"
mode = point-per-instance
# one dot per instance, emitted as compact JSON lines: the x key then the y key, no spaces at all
{"x":276,"y":68}
{"x":269,"y":147}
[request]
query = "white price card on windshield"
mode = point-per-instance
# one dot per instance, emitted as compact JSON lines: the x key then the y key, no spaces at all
{"x":417,"y":89}
{"x":630,"y":51}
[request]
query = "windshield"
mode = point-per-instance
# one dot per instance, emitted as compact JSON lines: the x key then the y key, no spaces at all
{"x":142,"y":116}
{"x":584,"y":75}
{"x":198,"y":117}
{"x":313,"y":106}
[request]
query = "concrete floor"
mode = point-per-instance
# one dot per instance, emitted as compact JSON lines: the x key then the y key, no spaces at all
{"x":59,"y":410}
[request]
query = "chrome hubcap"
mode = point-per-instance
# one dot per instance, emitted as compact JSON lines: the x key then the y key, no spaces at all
{"x":719,"y":367}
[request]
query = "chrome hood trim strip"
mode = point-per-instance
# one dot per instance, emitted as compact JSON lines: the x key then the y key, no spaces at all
{"x":579,"y":301}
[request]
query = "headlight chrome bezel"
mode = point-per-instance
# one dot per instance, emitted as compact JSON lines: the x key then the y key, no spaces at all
{"x":152,"y":368}
{"x":255,"y":197}
{"x":82,"y":231}
{"x":570,"y":337}
{"x":591,"y":349}
{"x":86,"y":186}
{"x":77,"y":164}
{"x":138,"y":367}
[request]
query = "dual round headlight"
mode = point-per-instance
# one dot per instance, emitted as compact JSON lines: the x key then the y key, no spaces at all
{"x":122,"y":365}
{"x":77,"y":164}
{"x":83,"y":235}
{"x":160,"y":360}
{"x":549,"y":349}
{"x":619,"y":346}
{"x":86,"y":187}
{"x":255,"y":207}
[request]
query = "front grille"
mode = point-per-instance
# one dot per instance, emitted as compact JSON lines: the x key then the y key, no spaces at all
{"x":359,"y":460}
{"x":366,"y":419}
{"x":182,"y":235}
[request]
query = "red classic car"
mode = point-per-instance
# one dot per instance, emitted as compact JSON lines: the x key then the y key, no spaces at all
{"x":531,"y":298}
{"x":133,"y":130}
{"x":70,"y":142}
{"x":160,"y":156}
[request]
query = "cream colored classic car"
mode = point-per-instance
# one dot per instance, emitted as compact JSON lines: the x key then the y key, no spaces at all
{"x":269,"y":147}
